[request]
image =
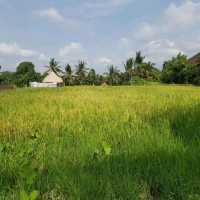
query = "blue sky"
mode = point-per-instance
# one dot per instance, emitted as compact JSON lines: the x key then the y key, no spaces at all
{"x":102,"y":32}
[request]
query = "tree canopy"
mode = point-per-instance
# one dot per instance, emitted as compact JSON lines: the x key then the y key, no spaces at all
{"x":25,"y":73}
{"x":81,"y":73}
{"x":68,"y":75}
{"x":54,"y":66}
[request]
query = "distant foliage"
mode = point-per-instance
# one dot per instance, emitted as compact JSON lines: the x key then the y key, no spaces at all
{"x":7,"y":78}
{"x":68,"y":75}
{"x":147,"y":71}
{"x":129,"y":66}
{"x":81,"y":73}
{"x":113,"y":76}
{"x":92,"y":77}
{"x":138,"y":68}
{"x":179,"y":71}
{"x":174,"y":70}
{"x":25,"y":73}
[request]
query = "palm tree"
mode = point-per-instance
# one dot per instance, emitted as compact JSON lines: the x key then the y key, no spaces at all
{"x":139,"y":59}
{"x":81,"y":72}
{"x":68,"y":69}
{"x":68,"y":75}
{"x":147,"y":70}
{"x":129,"y":65}
{"x":53,"y":66}
{"x":92,"y":77}
{"x":138,"y":64}
{"x":113,"y":75}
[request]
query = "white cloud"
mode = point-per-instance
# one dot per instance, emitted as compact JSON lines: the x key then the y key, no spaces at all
{"x":124,"y":42}
{"x":69,"y":49}
{"x":13,"y":49}
{"x":160,"y":50}
{"x":43,"y":57}
{"x":70,"y":24}
{"x":104,"y":60}
{"x":99,"y":8}
{"x":185,"y":15}
{"x":174,"y":19}
{"x":176,"y":30}
{"x":52,"y":14}
{"x":106,"y":3}
{"x":16,"y":54}
{"x":72,"y":52}
{"x":145,"y":31}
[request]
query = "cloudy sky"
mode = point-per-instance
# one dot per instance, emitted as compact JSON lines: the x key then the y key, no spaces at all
{"x":99,"y":31}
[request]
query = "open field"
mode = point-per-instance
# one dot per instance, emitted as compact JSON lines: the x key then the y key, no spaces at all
{"x":88,"y":143}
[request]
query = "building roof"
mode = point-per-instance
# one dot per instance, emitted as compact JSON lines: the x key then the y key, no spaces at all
{"x":195,"y":60}
{"x":52,"y":77}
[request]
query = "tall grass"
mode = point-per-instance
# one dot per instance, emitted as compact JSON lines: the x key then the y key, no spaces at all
{"x":100,"y":143}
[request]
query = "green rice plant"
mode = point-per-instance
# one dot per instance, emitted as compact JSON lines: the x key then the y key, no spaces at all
{"x":32,"y":196}
{"x":131,"y":142}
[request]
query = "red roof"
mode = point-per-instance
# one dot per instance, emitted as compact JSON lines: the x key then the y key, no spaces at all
{"x":195,"y":60}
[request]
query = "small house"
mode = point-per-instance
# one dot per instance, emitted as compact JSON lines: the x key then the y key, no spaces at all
{"x":53,"y":78}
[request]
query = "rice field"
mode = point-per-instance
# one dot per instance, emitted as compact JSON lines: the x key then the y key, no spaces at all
{"x":96,"y":143}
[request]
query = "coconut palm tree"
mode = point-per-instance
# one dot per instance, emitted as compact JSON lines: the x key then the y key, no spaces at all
{"x":81,"y":72}
{"x":68,"y":75}
{"x":54,"y":66}
{"x":92,"y":77}
{"x":113,"y":75}
{"x":128,"y":66}
{"x":139,"y":59}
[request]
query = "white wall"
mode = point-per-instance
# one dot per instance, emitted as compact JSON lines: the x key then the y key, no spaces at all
{"x":43,"y":85}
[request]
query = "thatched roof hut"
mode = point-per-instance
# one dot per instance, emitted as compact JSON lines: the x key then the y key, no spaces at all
{"x":52,"y":77}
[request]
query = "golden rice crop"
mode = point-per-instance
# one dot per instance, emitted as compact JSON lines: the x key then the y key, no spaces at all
{"x":100,"y":143}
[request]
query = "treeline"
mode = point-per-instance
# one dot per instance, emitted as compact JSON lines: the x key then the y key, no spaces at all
{"x":135,"y":70}
{"x":178,"y":70}
{"x":25,"y":73}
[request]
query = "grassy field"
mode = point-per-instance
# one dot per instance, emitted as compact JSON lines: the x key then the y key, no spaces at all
{"x":88,"y":143}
